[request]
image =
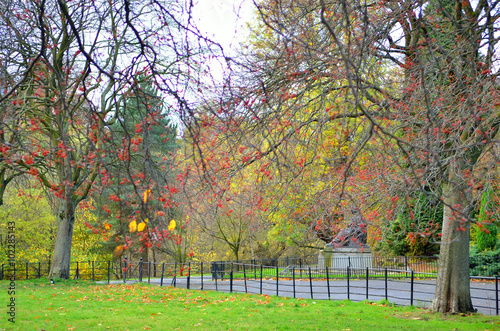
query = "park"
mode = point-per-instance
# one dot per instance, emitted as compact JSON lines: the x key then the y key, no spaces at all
{"x":249,"y":164}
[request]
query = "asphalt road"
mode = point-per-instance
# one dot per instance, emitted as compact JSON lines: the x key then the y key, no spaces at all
{"x":484,"y":296}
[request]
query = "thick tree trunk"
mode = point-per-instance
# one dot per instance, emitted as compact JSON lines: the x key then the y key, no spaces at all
{"x":60,"y":266}
{"x":453,"y":283}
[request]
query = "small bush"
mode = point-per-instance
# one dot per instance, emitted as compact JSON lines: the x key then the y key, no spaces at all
{"x":484,"y":263}
{"x":486,"y":230}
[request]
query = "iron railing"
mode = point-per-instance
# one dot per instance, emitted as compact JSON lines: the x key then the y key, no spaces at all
{"x":298,"y":278}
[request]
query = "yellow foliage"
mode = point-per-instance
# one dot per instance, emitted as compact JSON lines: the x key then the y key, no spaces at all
{"x":141,"y":226}
{"x":171,"y":225}
{"x":146,"y":195}
{"x":132,"y":226}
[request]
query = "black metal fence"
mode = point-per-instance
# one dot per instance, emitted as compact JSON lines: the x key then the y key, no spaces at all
{"x":419,"y":264}
{"x":120,"y":269}
{"x":404,"y":281}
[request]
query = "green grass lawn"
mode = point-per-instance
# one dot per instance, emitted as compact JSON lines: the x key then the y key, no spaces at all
{"x":80,"y":305}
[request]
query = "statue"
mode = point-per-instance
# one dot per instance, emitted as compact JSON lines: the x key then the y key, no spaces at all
{"x":354,"y":235}
{"x":349,"y":247}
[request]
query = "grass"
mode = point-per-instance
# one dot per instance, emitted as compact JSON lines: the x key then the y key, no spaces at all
{"x":80,"y":305}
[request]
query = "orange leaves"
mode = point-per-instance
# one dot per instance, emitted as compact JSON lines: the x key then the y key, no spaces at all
{"x":118,"y":251}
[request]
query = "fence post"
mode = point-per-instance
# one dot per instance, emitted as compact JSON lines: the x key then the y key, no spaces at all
{"x":496,"y":294}
{"x":140,"y":271}
{"x":214,"y":272}
{"x":245,"y":278}
{"x":202,"y":275}
{"x":189,"y":275}
{"x":125,"y":269}
{"x":406,"y":265}
{"x":411,"y":289}
{"x":77,"y":271}
{"x":27,"y":270}
{"x":277,"y":280}
{"x":328,"y":282}
{"x":367,"y":276}
{"x":231,"y":279}
{"x":175,"y":274}
{"x":300,"y":266}
{"x":1,"y":276}
{"x":162,"y":271}
{"x":93,"y":271}
{"x":39,"y":270}
{"x":348,"y":288}
{"x":311,"y":283}
{"x":149,"y":272}
{"x":261,"y":279}
{"x":109,"y":271}
{"x":385,"y":277}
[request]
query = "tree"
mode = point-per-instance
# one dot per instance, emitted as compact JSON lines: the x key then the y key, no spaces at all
{"x":141,"y":168}
{"x":416,"y":229}
{"x":68,"y":68}
{"x":28,"y":207}
{"x":419,"y":77}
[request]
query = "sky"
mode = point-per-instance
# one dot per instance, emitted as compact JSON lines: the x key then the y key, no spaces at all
{"x":223,"y":20}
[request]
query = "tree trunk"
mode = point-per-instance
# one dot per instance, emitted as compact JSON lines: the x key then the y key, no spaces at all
{"x":453,"y":282}
{"x":60,"y":266}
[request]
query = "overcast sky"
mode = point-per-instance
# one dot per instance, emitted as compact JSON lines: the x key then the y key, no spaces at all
{"x":223,"y":20}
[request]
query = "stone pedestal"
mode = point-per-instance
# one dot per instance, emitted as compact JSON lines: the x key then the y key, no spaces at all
{"x":353,"y":257}
{"x":325,"y":257}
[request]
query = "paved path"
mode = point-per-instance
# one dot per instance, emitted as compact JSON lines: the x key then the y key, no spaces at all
{"x":398,"y":291}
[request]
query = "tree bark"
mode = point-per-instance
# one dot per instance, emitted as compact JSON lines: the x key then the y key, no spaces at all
{"x":453,"y":282}
{"x":60,"y":266}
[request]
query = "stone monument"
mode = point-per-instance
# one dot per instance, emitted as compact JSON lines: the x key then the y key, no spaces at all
{"x":349,"y":247}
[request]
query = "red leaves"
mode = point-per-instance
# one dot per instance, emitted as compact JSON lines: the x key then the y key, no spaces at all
{"x":114,"y":197}
{"x":28,"y":159}
{"x":4,"y":149}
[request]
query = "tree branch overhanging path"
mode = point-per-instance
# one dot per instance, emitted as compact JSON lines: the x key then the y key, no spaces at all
{"x":412,"y":83}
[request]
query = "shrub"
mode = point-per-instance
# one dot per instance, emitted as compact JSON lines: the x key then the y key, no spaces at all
{"x":486,"y":229}
{"x":484,"y":263}
{"x":415,"y":231}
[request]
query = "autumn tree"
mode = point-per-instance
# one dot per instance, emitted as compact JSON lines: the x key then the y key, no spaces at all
{"x":420,"y":80}
{"x":67,"y":68}
{"x":280,"y":122}
{"x":29,"y":208}
{"x":145,"y":143}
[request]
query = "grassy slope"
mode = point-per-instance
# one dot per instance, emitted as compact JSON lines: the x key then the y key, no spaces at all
{"x":78,"y":305}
